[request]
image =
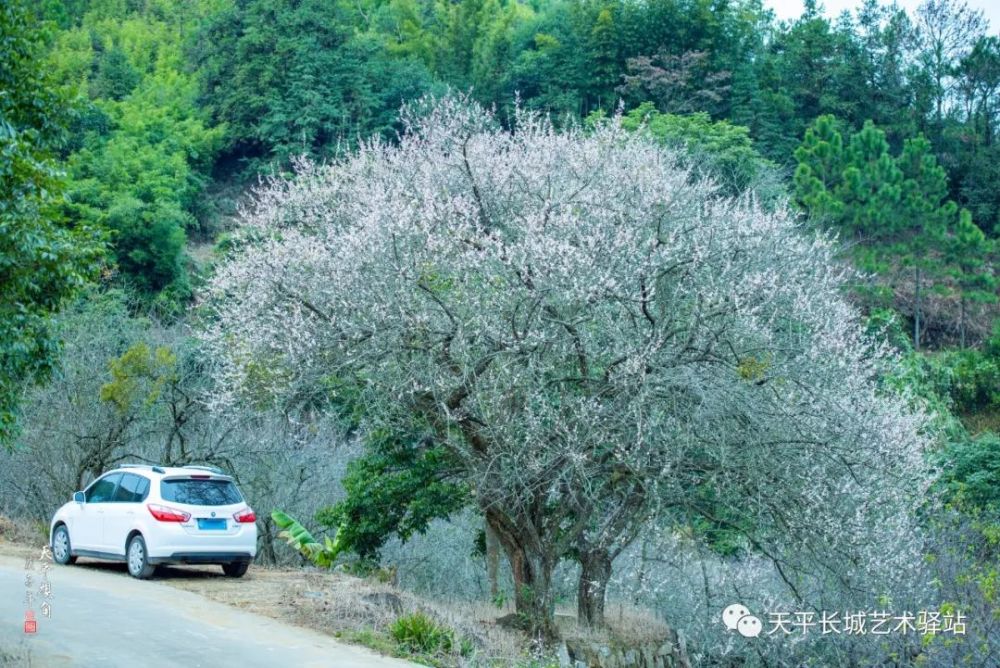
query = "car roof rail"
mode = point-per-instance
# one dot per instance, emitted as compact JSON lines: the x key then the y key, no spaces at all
{"x":152,"y":467}
{"x":210,"y":469}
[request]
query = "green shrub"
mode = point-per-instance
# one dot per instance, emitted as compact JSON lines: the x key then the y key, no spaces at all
{"x":884,"y":322}
{"x":971,"y":475}
{"x":969,"y":378}
{"x":417,"y":632}
{"x":397,"y":488}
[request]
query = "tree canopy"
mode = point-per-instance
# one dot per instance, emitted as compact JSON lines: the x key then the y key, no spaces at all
{"x":584,"y":329}
{"x":43,"y":260}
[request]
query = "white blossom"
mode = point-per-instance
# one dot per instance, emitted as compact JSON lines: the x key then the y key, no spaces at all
{"x":595,"y":332}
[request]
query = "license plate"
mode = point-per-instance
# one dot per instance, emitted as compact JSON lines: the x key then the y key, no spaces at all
{"x":211,"y":525}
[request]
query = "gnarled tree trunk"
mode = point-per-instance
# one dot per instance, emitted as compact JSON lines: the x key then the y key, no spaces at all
{"x":492,"y":560}
{"x":595,"y":571}
{"x":531,"y":567}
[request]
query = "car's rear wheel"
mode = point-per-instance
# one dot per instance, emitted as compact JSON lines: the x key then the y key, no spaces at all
{"x":62,"y":553}
{"x":138,"y":559}
{"x":237,"y":569}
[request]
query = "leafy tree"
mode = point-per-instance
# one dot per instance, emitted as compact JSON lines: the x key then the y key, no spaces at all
{"x":549,"y":70}
{"x":498,"y":47}
{"x":141,"y":151}
{"x":976,"y":147}
{"x":571,"y":57}
{"x":141,"y":178}
{"x":855,"y":187}
{"x":115,"y":77}
{"x":881,"y":55}
{"x":43,"y":260}
{"x":408,"y":28}
{"x":292,"y":77}
{"x":819,"y":174}
{"x":718,"y":148}
{"x":716,"y":39}
{"x":397,"y":488}
{"x":806,"y":71}
{"x":977,"y":187}
{"x":978,"y":85}
{"x":138,"y":376}
{"x":588,"y":334}
{"x":973,"y":474}
{"x":463,"y":22}
{"x":65,"y":14}
{"x":604,"y":57}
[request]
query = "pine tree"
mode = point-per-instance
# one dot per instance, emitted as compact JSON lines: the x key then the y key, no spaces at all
{"x":871,"y":190}
{"x":969,"y":254}
{"x":894,"y":211}
{"x":820,"y":169}
{"x":924,"y":219}
{"x":604,"y":60}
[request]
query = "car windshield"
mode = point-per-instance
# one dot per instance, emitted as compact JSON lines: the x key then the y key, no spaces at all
{"x":198,"y":492}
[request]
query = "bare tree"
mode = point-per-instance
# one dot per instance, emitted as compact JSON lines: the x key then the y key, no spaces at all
{"x":979,"y":87}
{"x":677,"y":84}
{"x":131,"y":391}
{"x":945,"y":32}
{"x":594,"y":334}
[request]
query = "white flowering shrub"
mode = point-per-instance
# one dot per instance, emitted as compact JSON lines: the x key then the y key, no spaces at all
{"x":601,"y":340}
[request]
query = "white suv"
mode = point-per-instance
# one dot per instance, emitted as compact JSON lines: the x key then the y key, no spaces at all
{"x":150,"y":515}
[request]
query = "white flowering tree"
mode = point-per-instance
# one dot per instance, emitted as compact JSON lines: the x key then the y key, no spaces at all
{"x":596,"y":337}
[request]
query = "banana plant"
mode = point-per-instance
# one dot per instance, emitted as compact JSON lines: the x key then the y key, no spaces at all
{"x":295,"y":534}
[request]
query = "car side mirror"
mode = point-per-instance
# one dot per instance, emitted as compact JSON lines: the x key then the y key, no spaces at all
{"x":79,"y":497}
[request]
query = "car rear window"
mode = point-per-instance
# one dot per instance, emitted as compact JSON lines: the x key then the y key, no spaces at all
{"x":197,"y":492}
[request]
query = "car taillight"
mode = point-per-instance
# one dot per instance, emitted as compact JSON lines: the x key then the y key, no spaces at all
{"x":165,"y":514}
{"x":245,"y":516}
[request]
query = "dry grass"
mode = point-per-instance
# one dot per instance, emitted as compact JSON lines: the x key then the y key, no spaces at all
{"x":357,"y":610}
{"x":985,"y":420}
{"x":23,"y":534}
{"x":627,"y":626}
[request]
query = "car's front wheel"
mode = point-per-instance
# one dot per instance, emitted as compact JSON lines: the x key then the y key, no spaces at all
{"x":138,"y":559}
{"x":237,"y":569}
{"x":61,"y":551}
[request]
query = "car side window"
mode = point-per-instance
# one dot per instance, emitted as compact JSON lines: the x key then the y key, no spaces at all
{"x":103,"y":490}
{"x":143,"y":489}
{"x":132,"y":489}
